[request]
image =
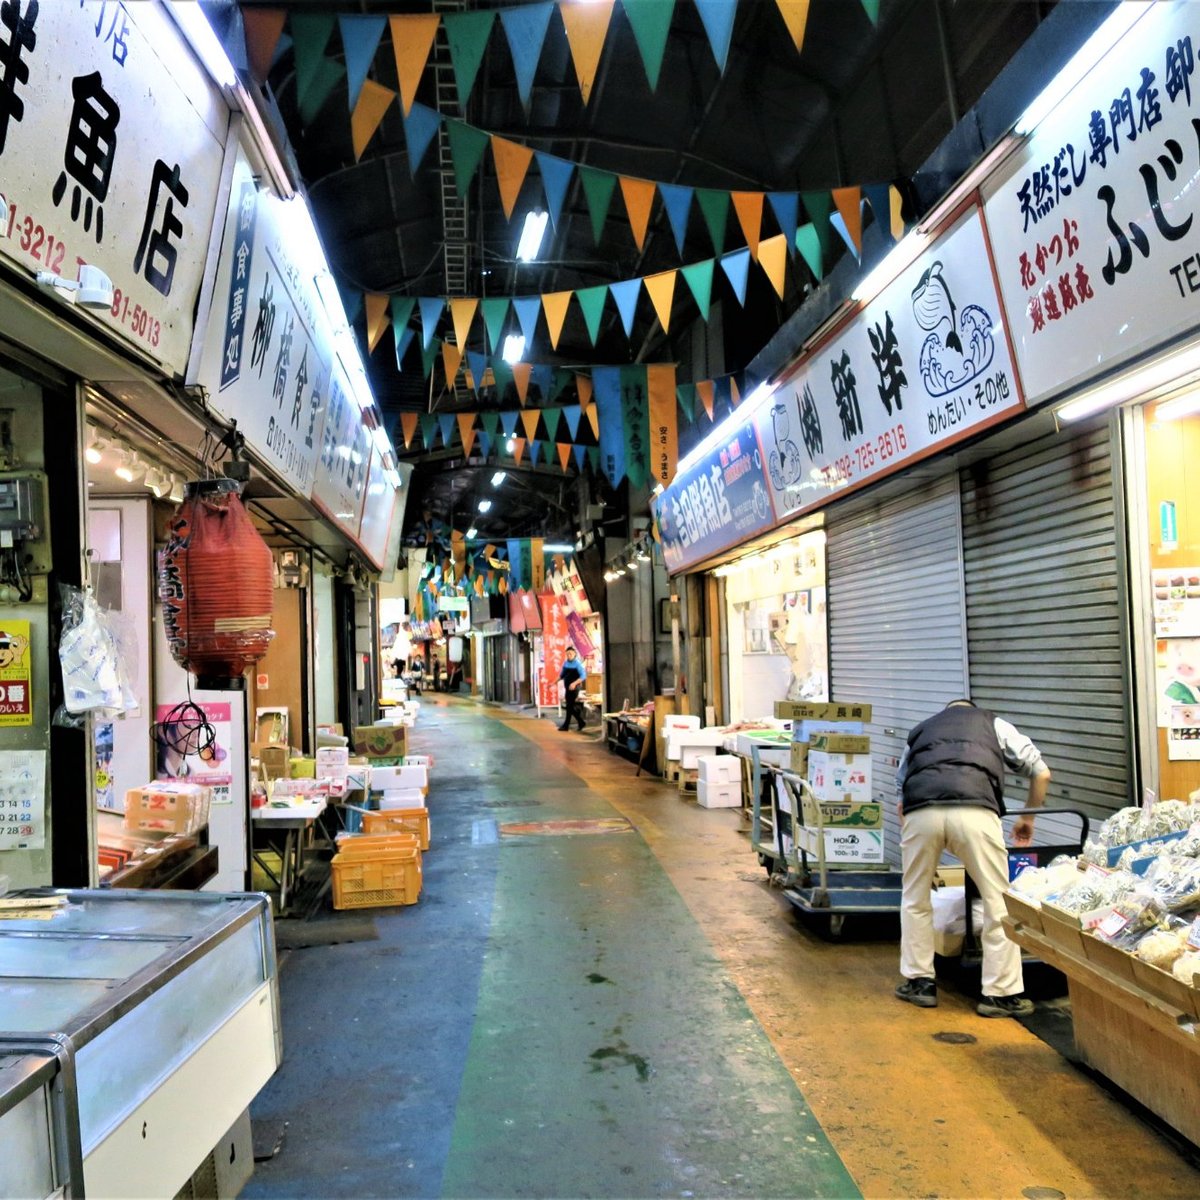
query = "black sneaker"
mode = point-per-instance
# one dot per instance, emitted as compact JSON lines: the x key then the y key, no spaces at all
{"x":921,"y":992}
{"x":1004,"y":1006}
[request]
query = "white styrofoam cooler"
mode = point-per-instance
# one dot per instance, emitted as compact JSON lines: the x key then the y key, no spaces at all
{"x":718,"y":795}
{"x":685,"y":746}
{"x":401,"y":798}
{"x":719,"y":768}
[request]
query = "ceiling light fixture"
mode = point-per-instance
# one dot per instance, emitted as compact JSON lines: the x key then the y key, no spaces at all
{"x":1186,"y":405}
{"x":1132,"y":384}
{"x":485,"y":506}
{"x":511,"y":445}
{"x":498,"y":478}
{"x":514,"y":347}
{"x":199,"y":33}
{"x":897,"y":260}
{"x":557,"y":547}
{"x":472,"y":532}
{"x":532,"y":233}
{"x":130,"y":467}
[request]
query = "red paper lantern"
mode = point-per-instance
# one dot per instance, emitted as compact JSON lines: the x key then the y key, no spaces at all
{"x":216,"y":583}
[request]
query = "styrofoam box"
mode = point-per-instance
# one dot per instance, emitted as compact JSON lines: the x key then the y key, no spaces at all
{"x":718,"y":795}
{"x":719,"y":768}
{"x":386,"y":779}
{"x":692,"y":743}
{"x":777,"y":753}
{"x":332,"y":756}
{"x":402,"y":798}
{"x":802,"y":731}
{"x":680,"y":721}
{"x":844,"y":845}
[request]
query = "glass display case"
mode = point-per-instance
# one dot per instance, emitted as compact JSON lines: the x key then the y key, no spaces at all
{"x":135,"y":1029}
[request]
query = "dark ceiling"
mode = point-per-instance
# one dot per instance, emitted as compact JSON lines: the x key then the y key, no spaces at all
{"x":860,"y":104}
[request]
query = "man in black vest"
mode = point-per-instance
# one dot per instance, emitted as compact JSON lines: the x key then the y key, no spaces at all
{"x":571,"y":676}
{"x":951,"y":786}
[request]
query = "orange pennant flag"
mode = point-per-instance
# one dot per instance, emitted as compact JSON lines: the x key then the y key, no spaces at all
{"x":512,"y":163}
{"x":408,"y":426}
{"x":521,"y":373}
{"x":529,"y":422}
{"x":593,"y":417}
{"x":772,"y":257}
{"x":518,"y":449}
{"x":412,"y":40}
{"x":583,"y":386}
{"x":564,"y":454}
{"x":795,"y":17}
{"x":586,"y":26}
{"x":749,"y":208}
{"x":462,"y":312}
{"x":662,"y":291}
{"x":639,"y":198}
{"x":376,"y":305}
{"x":478,"y":585}
{"x":849,"y":203}
{"x":895,"y":204}
{"x":663,"y":408}
{"x":704,"y":389}
{"x":735,"y":392}
{"x":262,"y":27}
{"x":466,"y":431}
{"x":373,"y":101}
{"x":554,"y":305}
{"x":451,"y":360}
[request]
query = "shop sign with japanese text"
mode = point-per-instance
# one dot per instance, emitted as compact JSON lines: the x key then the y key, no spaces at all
{"x":111,"y":145}
{"x":378,"y":512}
{"x":1092,"y":220}
{"x":340,"y":487}
{"x":719,"y":500}
{"x":923,"y":365}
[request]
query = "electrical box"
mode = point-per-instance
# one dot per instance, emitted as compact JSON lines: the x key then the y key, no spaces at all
{"x":20,"y":510}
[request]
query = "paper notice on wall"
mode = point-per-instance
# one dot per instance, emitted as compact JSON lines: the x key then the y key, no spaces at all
{"x":22,"y":799}
{"x":186,"y":751}
{"x":1176,"y":592}
{"x":1183,"y":733}
{"x":1177,"y":676}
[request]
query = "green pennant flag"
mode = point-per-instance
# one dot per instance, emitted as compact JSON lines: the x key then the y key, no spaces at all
{"x":650,"y":21}
{"x":310,"y":36}
{"x":598,"y":189}
{"x":715,"y":207}
{"x":551,"y":416}
{"x":699,"y":278}
{"x":593,"y":454}
{"x":329,"y":75}
{"x":591,"y":300}
{"x":402,"y":310}
{"x":495,"y":313}
{"x":491,"y":423}
{"x":467,"y":145}
{"x":503,"y":373}
{"x":872,"y":8}
{"x":561,"y":380}
{"x":467,"y":33}
{"x":819,"y":205}
{"x":428,"y":429}
{"x":685,"y":393}
{"x":429,"y":355}
{"x":809,"y":246}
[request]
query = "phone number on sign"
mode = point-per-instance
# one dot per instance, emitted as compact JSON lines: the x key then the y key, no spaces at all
{"x":865,"y":457}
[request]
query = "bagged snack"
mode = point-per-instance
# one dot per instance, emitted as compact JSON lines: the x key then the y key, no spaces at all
{"x":1174,"y":881}
{"x":1161,"y":947}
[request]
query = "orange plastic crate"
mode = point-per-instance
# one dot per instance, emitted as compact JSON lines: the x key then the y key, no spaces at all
{"x":356,"y":843}
{"x":377,"y":878}
{"x":399,"y":820}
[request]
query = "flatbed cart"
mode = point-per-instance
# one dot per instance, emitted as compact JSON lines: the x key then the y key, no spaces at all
{"x":834,"y":890}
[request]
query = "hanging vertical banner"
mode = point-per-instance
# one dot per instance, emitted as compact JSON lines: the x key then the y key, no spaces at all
{"x":538,"y":564}
{"x":635,"y":425}
{"x":606,"y":387}
{"x":555,"y":639}
{"x":579,"y":635}
{"x":664,"y":422}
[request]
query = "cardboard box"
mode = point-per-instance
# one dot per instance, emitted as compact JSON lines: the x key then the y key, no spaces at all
{"x":805,"y":731}
{"x":720,"y":769}
{"x":844,"y":845}
{"x":271,"y":726}
{"x":799,"y":758}
{"x":389,"y":779}
{"x":380,"y":741}
{"x":843,"y":814}
{"x":844,"y":777}
{"x":274,"y":762}
{"x":167,"y":807}
{"x":840,"y":743}
{"x":718,"y":795}
{"x":332,"y":761}
{"x":821,"y":711}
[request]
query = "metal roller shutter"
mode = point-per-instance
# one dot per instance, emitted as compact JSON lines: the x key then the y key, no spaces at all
{"x":1044,"y":619}
{"x":897,"y":627}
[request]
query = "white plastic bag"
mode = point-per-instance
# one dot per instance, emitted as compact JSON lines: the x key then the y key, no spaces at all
{"x":97,"y":658}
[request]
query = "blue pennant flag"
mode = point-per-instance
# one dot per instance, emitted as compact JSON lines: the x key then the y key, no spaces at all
{"x":535,"y":451}
{"x":572,"y":412}
{"x":446,"y":425}
{"x":485,"y":442}
{"x":786,"y":207}
{"x":717,"y":16}
{"x":556,"y":178}
{"x":431,"y":311}
{"x":406,"y":337}
{"x":528,"y":308}
{"x":678,"y":203}
{"x":525,"y":28}
{"x":360,"y":40}
{"x":477,"y":361}
{"x":420,"y":127}
{"x":839,"y":223}
{"x":515,"y":579}
{"x":736,"y":266}
{"x":879,"y":198}
{"x":542,"y":376}
{"x":579,"y":452}
{"x":606,"y":385}
{"x":625,"y":294}
{"x":508,"y":422}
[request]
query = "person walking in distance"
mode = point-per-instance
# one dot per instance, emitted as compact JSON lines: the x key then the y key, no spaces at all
{"x":950,"y":782}
{"x":571,"y":676}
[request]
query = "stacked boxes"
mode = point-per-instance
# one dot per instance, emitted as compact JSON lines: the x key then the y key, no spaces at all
{"x":719,"y":783}
{"x":167,"y":807}
{"x":399,"y":786}
{"x":400,"y":820}
{"x":388,"y":743}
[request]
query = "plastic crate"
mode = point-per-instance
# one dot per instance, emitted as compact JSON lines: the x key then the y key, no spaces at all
{"x":399,"y":820}
{"x":376,"y":878}
{"x":359,"y":843}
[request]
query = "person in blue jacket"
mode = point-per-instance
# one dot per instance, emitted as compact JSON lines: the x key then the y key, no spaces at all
{"x":572,"y":677}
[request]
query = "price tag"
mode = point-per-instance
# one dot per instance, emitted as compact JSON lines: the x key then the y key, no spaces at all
{"x":1095,"y":871}
{"x":1113,"y":924}
{"x":1194,"y":935}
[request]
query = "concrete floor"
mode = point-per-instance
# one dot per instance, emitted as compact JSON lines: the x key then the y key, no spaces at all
{"x":635,"y":1012}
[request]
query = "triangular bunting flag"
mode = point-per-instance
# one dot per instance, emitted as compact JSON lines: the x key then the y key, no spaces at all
{"x":467,"y":145}
{"x":593,"y":415}
{"x":521,"y":373}
{"x":535,"y":453}
{"x":477,"y":364}
{"x":571,"y":414}
{"x":402,"y":310}
{"x":451,"y":361}
{"x":786,"y":207}
{"x":512,"y":165}
{"x":639,"y":199}
{"x":446,"y":425}
{"x":491,"y":422}
{"x":848,"y":201}
{"x":583,"y":389}
{"x":262,"y":27}
{"x":528,"y":308}
{"x":591,"y":301}
{"x":809,"y":246}
{"x":626,"y":294}
{"x":896,"y":202}
{"x":404,"y":339}
{"x":467,"y":34}
{"x":714,"y":206}
{"x":431,"y":311}
{"x":678,"y":203}
{"x":420,"y":126}
{"x":541,"y":378}
{"x":650,"y":21}
{"x":586,"y":26}
{"x":838,"y":222}
{"x":556,"y":178}
{"x":795,"y":17}
{"x":881,"y":208}
{"x":408,"y":426}
{"x":704,"y":389}
{"x":503,"y":375}
{"x":721,"y":396}
{"x":412,"y":40}
{"x":562,"y":377}
{"x":818,"y":205}
{"x":428,"y":355}
{"x":377,"y":314}
{"x":485,"y":443}
{"x":462,"y":313}
{"x":736,"y":266}
{"x":310,"y":36}
{"x":772,"y":257}
{"x":518,"y":451}
{"x":661,"y":290}
{"x":699,"y":277}
{"x":749,"y":209}
{"x":554,"y":304}
{"x":553,"y":418}
{"x":428,"y":430}
{"x":717,"y":16}
{"x":685,"y":393}
{"x":593,"y":457}
{"x":352,"y":302}
{"x":525,"y":28}
{"x":580,"y":453}
{"x":508,"y":422}
{"x":328,"y":76}
{"x":564,"y":454}
{"x":466,"y":431}
{"x":495,"y":313}
{"x":360,"y":40}
{"x":872,"y":10}
{"x":735,"y":392}
{"x":597,"y":190}
{"x":529,"y":422}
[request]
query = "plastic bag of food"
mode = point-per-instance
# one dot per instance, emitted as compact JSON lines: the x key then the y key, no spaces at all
{"x":1164,"y":944}
{"x":1130,"y":920}
{"x":1095,"y":890}
{"x":98,"y":657}
{"x":1175,"y":881}
{"x":1035,"y":883}
{"x":1187,"y":966}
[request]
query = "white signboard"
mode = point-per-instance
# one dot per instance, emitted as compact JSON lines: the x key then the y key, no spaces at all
{"x":1093,"y":220}
{"x":923,"y":365}
{"x":378,"y":509}
{"x":111,"y":144}
{"x":341,"y":482}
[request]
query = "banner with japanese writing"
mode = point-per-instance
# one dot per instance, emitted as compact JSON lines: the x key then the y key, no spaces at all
{"x":378,"y":511}
{"x":555,"y":639}
{"x":1092,"y":220}
{"x":579,"y":636}
{"x":923,"y":365}
{"x":111,"y":145}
